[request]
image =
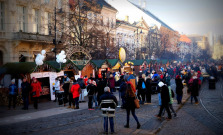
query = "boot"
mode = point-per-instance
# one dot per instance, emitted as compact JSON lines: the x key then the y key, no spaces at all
{"x":138,"y":125}
{"x":73,"y":107}
{"x":126,"y":126}
{"x":69,"y":107}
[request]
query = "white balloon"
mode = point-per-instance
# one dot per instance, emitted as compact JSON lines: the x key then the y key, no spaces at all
{"x":43,"y":52}
{"x":62,"y":52}
{"x":64,"y":61}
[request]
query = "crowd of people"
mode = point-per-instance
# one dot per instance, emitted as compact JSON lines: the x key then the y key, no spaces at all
{"x":153,"y":80}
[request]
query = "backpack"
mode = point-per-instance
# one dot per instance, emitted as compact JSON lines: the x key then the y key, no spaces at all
{"x":143,"y":85}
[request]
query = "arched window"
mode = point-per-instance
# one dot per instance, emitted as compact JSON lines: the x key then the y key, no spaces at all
{"x":1,"y":58}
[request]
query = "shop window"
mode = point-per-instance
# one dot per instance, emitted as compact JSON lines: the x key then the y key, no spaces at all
{"x":2,"y":15}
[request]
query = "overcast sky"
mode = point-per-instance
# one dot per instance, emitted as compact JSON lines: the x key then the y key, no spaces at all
{"x":189,"y":16}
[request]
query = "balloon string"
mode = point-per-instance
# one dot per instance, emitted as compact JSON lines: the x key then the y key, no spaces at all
{"x":35,"y":68}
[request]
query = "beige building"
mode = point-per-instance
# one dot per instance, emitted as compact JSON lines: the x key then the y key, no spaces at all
{"x":218,"y":50}
{"x":27,"y":27}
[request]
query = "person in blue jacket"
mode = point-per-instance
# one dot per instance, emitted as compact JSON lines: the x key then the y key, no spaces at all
{"x":13,"y":89}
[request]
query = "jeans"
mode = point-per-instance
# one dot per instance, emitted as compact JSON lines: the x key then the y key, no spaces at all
{"x":12,"y":98}
{"x":179,"y":98}
{"x":166,"y":106}
{"x":195,"y":98}
{"x":76,"y":100}
{"x":81,"y":97}
{"x":26,"y":102}
{"x":90,"y":97}
{"x":95,"y":100}
{"x":35,"y":99}
{"x":112,"y":90}
{"x":111,"y":120}
{"x":133,"y":114}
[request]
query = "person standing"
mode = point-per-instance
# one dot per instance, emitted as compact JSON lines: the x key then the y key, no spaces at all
{"x":13,"y":91}
{"x":91,"y":91}
{"x":111,"y":83}
{"x":141,"y":89}
{"x":25,"y":93}
{"x":179,"y":89}
{"x":83,"y":87}
{"x":171,"y":101}
{"x":122,"y":90}
{"x":76,"y":90}
{"x":71,"y":100}
{"x":130,"y":105}
{"x":149,"y":90}
{"x":65,"y":87}
{"x":195,"y":90}
{"x":56,"y":88}
{"x":108,"y":96}
{"x":165,"y":99}
{"x":36,"y":89}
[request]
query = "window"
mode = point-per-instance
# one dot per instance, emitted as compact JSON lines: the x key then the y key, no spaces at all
{"x":47,"y":23}
{"x":22,"y":17}
{"x":2,"y":15}
{"x":36,"y":21}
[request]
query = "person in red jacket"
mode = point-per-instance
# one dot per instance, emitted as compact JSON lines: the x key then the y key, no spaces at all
{"x":36,"y":89}
{"x":75,"y":90}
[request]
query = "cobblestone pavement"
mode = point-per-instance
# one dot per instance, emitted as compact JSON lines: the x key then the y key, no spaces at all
{"x":203,"y":119}
{"x":85,"y":122}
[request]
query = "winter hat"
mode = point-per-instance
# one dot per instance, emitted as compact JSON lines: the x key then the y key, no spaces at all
{"x":13,"y":80}
{"x":160,"y":84}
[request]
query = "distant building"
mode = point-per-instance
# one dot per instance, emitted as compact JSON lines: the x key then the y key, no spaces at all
{"x":218,"y":50}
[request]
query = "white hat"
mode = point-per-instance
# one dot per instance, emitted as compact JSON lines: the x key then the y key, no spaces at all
{"x":13,"y":80}
{"x":160,"y":84}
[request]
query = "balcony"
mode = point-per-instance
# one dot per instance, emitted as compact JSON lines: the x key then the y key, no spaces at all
{"x":31,"y":37}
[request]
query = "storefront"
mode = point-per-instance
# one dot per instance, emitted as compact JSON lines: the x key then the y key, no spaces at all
{"x":134,"y":66}
{"x":101,"y":67}
{"x":115,"y":65}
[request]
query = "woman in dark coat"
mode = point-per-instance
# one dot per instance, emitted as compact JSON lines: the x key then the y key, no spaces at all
{"x":130,"y":105}
{"x":179,"y":89}
{"x":195,"y":89}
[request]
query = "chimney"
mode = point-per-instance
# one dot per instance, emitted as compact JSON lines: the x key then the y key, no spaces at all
{"x":127,"y":18}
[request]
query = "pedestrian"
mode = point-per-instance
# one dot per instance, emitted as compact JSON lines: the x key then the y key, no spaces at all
{"x":171,"y":93}
{"x":36,"y":90}
{"x":141,"y":87}
{"x":148,"y":89}
{"x":13,"y":91}
{"x":95,"y":95}
{"x":101,"y":85}
{"x":179,"y":89}
{"x":65,"y":79}
{"x":122,"y":90}
{"x":25,"y":93}
{"x":111,"y":83}
{"x":165,"y":99}
{"x":91,"y":88}
{"x":83,"y":87}
{"x":65,"y":87}
{"x":56,"y":88}
{"x":71,"y":100}
{"x":108,"y":96}
{"x":130,"y":105}
{"x":195,"y":90}
{"x":76,"y":90}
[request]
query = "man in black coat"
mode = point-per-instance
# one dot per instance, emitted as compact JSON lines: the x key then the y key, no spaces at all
{"x":165,"y":99}
{"x":25,"y":93}
{"x":108,"y":96}
{"x":149,"y":90}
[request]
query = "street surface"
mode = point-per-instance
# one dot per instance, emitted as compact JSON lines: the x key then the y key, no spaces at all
{"x":192,"y":119}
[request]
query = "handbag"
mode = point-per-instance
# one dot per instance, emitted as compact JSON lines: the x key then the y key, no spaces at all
{"x":136,"y":101}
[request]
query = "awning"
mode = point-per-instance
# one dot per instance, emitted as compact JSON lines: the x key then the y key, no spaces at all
{"x":19,"y":67}
{"x":98,"y":63}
